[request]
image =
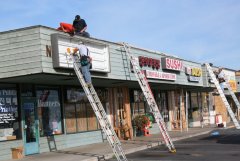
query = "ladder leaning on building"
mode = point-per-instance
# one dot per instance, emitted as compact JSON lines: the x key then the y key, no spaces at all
{"x":99,"y":112}
{"x":142,"y":80}
{"x":222,"y":95}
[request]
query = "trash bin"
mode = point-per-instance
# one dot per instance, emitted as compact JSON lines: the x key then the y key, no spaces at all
{"x":17,"y":153}
{"x":219,"y":119}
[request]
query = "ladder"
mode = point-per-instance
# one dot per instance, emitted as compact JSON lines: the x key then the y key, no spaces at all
{"x":222,"y":95}
{"x":232,"y":94}
{"x":150,"y":99}
{"x":100,"y":113}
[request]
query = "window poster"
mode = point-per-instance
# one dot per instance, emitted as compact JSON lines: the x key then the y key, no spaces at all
{"x":76,"y":95}
{"x":9,"y":125}
{"x":8,"y":108}
{"x":49,"y":112}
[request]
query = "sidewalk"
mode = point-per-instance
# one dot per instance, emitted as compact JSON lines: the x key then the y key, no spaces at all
{"x":101,"y":151}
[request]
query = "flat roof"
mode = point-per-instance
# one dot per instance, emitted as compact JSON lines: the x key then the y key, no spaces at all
{"x":117,"y":43}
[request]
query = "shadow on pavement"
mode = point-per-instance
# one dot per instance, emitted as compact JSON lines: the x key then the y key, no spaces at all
{"x":100,"y":157}
{"x":224,"y":138}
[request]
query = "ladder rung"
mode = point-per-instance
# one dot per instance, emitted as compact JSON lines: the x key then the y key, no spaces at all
{"x":101,"y":115}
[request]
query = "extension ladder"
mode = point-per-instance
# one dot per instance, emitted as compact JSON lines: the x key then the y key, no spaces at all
{"x":222,"y":95}
{"x":100,"y":113}
{"x":232,"y":94}
{"x":150,"y":99}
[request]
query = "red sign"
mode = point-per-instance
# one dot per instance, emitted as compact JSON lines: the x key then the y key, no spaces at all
{"x":160,"y":75}
{"x":150,"y":62}
{"x":172,"y":64}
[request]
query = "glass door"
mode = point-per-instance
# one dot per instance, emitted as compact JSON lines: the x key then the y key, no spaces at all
{"x":30,"y":126}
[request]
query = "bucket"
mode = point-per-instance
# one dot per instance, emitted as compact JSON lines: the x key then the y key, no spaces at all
{"x":218,"y":119}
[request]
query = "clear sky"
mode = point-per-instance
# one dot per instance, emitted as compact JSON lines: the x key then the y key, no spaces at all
{"x":196,"y":30}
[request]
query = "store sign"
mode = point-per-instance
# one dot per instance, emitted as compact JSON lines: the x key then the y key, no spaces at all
{"x":194,"y":74}
{"x":62,"y":59}
{"x":8,"y":107}
{"x":193,"y":78}
{"x":231,"y":79}
{"x":160,"y":75}
{"x":41,"y":103}
{"x":150,"y":62}
{"x":172,"y":64}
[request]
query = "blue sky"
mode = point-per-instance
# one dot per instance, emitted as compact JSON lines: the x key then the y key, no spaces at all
{"x":196,"y":30}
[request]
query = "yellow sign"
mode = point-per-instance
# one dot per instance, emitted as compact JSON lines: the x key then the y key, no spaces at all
{"x":197,"y":72}
{"x":233,"y":85}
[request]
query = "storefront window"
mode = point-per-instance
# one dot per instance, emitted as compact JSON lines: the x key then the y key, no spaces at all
{"x":194,"y":111}
{"x":49,"y":111}
{"x":9,"y":116}
{"x":162,"y":104}
{"x":139,"y":103}
{"x":205,"y":105}
{"x":78,"y":111}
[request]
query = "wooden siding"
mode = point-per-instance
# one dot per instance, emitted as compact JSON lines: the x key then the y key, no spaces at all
{"x":238,"y":83}
{"x":205,"y":76}
{"x":62,"y":142}
{"x":118,"y":62}
{"x":47,"y":63}
{"x":220,"y":108}
{"x":72,"y":140}
{"x":24,"y":51}
{"x":5,"y":148}
{"x":20,"y":52}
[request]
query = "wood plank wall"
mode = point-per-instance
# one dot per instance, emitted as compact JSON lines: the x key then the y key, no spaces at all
{"x":20,"y":52}
{"x":220,"y":108}
{"x":118,"y":63}
{"x":118,"y":113}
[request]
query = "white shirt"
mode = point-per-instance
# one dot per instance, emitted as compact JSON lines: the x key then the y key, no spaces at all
{"x":221,"y":74}
{"x":83,"y":50}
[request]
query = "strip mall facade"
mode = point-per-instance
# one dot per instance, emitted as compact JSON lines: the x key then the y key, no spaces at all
{"x":40,"y":94}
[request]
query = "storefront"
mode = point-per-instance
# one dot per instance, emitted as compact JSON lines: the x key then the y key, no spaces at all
{"x":40,"y":94}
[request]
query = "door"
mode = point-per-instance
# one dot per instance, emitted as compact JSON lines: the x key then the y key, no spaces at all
{"x":30,"y":126}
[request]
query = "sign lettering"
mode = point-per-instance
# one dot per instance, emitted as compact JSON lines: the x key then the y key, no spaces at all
{"x":150,"y":62}
{"x":160,"y":75}
{"x":172,"y":64}
{"x":196,"y":72}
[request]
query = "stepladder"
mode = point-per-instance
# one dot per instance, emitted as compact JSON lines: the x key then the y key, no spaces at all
{"x":143,"y":82}
{"x":99,"y":111}
{"x":223,"y":96}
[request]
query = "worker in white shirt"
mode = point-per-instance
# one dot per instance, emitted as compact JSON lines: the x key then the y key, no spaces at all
{"x":85,"y":61}
{"x":221,"y":78}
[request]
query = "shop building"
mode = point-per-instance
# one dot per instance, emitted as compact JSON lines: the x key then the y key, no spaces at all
{"x":41,"y":96}
{"x":216,"y":101}
{"x":238,"y":89}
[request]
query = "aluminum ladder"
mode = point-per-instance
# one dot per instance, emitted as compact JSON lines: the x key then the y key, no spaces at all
{"x":222,"y":95}
{"x":232,"y":94}
{"x":150,"y":99}
{"x":100,"y":113}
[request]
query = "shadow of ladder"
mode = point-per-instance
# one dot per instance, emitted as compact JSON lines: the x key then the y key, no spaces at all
{"x":51,"y":143}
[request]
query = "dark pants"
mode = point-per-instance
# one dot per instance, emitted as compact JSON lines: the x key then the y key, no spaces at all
{"x":84,"y":34}
{"x":86,"y":73}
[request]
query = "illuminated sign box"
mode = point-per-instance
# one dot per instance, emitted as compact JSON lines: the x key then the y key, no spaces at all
{"x":150,"y":62}
{"x":194,"y":74}
{"x":61,"y":59}
{"x":193,"y":78}
{"x":231,"y":79}
{"x":160,"y":75}
{"x":172,"y":64}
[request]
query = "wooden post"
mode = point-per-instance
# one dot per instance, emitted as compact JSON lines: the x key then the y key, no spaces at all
{"x":180,"y":103}
{"x":187,"y":110}
{"x":127,"y":113}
